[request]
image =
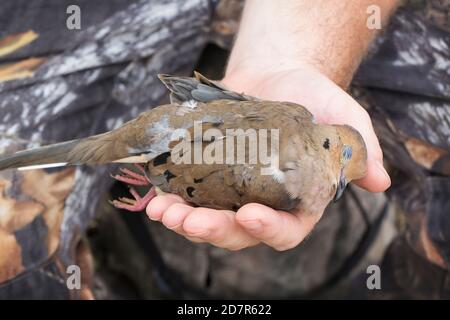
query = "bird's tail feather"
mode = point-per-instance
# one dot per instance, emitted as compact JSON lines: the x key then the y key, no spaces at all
{"x":48,"y":156}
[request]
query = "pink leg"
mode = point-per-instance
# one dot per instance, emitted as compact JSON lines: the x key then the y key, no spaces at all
{"x":138,"y":203}
{"x":131,"y":177}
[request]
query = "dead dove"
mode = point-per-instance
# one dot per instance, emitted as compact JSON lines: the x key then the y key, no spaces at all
{"x":219,"y":149}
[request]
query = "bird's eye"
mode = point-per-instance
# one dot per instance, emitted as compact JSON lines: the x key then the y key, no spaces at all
{"x":347,"y":152}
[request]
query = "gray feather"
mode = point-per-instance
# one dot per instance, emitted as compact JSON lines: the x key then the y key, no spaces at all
{"x":198,"y":89}
{"x":44,"y":155}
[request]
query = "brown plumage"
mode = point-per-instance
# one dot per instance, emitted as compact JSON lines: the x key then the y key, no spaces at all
{"x":315,"y":161}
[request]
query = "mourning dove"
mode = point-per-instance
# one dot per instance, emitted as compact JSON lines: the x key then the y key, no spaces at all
{"x":219,"y":149}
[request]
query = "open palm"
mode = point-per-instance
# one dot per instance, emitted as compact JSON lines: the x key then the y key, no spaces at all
{"x":255,"y":223}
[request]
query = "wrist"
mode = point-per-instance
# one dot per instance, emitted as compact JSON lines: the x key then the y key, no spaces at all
{"x":251,"y":76}
{"x":247,"y":65}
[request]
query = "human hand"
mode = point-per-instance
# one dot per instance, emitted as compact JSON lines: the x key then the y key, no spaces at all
{"x":255,"y":223}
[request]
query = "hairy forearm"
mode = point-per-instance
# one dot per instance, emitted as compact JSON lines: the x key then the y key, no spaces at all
{"x":329,"y":35}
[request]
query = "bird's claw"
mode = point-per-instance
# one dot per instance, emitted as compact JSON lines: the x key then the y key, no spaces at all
{"x":137,"y":204}
{"x":131,"y":177}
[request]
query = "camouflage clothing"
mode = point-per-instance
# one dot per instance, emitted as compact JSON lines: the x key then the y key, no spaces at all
{"x":406,"y":85}
{"x":82,"y":82}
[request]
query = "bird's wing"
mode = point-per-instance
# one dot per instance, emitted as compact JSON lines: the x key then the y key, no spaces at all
{"x":149,"y":135}
{"x":223,"y":184}
{"x":200,"y":89}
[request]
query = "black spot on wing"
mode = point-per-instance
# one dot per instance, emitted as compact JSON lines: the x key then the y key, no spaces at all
{"x":168,"y":175}
{"x":161,"y":159}
{"x":139,"y":153}
{"x":198,"y":180}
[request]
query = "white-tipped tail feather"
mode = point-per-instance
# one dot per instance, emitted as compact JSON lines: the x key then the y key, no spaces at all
{"x":43,"y":166}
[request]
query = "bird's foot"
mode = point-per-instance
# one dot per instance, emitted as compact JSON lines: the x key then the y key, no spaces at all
{"x":137,"y":204}
{"x":131,"y":177}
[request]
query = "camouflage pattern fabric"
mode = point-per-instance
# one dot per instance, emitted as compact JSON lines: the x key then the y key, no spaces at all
{"x":58,"y":84}
{"x":406,"y":86}
{"x":435,"y":11}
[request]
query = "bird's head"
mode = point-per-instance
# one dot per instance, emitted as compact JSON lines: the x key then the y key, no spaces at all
{"x":352,"y":157}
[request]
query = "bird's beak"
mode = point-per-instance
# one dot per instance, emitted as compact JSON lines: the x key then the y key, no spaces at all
{"x":340,"y":188}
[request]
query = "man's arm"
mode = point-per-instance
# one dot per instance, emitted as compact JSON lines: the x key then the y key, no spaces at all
{"x":329,"y":35}
{"x":292,"y":50}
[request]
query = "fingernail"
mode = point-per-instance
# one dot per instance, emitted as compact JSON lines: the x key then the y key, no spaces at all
{"x":253,"y":225}
{"x":383,"y":171}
